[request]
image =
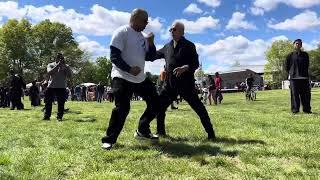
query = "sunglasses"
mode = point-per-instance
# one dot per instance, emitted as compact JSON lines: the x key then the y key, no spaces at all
{"x":172,"y":30}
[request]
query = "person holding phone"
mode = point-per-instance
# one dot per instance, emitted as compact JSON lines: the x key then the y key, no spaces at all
{"x":58,"y":72}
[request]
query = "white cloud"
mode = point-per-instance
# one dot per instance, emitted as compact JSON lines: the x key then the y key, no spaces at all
{"x":100,"y":21}
{"x":211,"y":3}
{"x":259,"y":6}
{"x":232,"y":48}
{"x":237,"y":21}
{"x":256,"y":11}
{"x":200,"y":25}
{"x":192,"y":8}
{"x":305,"y":21}
{"x":93,"y":47}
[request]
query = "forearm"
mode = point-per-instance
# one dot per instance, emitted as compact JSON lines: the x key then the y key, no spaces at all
{"x":116,"y":59}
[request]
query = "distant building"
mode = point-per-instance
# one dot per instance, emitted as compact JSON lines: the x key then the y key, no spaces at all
{"x":230,"y":79}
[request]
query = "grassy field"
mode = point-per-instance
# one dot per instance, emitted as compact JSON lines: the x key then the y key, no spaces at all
{"x":256,"y":140}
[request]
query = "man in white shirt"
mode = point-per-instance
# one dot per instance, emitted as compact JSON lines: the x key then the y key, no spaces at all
{"x":58,"y":71}
{"x":128,"y":50}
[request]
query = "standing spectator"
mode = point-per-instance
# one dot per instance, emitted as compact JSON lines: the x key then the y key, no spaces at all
{"x":58,"y":71}
{"x":249,"y":83}
{"x":2,"y":96}
{"x":218,"y":81}
{"x":84,"y":92}
{"x":297,"y":65}
{"x":34,"y":94}
{"x":128,"y":50}
{"x":100,"y":91}
{"x":77,"y":91}
{"x":212,"y":90}
{"x":17,"y":85}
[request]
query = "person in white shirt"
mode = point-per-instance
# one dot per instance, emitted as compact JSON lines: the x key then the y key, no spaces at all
{"x":128,"y":51}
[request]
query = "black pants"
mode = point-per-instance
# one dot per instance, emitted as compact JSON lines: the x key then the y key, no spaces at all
{"x":189,"y":94}
{"x":50,"y":95}
{"x":16,"y":99}
{"x":122,"y":91}
{"x":300,"y":90}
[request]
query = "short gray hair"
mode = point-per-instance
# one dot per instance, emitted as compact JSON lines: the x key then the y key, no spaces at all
{"x":178,"y":23}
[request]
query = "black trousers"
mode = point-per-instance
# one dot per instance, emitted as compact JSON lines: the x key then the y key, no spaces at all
{"x":189,"y":94}
{"x":122,"y":91}
{"x":50,"y":95}
{"x":16,"y":99}
{"x":300,"y":91}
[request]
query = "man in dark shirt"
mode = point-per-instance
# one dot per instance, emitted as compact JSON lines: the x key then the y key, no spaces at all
{"x":249,"y":82}
{"x":16,"y":85}
{"x":297,"y":65}
{"x":181,"y":62}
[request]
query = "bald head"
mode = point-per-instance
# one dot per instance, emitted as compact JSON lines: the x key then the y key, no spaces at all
{"x":139,"y":19}
{"x":177,"y":30}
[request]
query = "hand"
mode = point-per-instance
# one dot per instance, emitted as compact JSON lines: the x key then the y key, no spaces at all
{"x":179,"y":70}
{"x":150,"y":38}
{"x":135,"y":70}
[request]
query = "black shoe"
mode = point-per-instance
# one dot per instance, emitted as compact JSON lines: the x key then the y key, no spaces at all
{"x":211,"y":136}
{"x":295,"y":112}
{"x":46,"y":118}
{"x":59,"y":118}
{"x":141,"y":136}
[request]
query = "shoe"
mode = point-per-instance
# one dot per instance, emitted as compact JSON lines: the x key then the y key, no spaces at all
{"x":295,"y":112}
{"x":46,"y":118}
{"x":106,"y":146}
{"x":141,"y":136}
{"x":59,"y":118}
{"x":211,"y":136}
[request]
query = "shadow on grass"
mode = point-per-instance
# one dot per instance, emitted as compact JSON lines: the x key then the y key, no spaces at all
{"x":181,"y":149}
{"x":86,"y":119}
{"x":73,"y":112}
{"x":238,"y":141}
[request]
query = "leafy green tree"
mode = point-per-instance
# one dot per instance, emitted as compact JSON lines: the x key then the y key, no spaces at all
{"x":314,"y":68}
{"x":49,"y":38}
{"x":15,"y":37}
{"x":104,"y":67}
{"x":276,"y":55}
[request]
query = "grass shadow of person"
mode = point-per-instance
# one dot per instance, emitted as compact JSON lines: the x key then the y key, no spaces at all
{"x":85,"y":119}
{"x":181,"y":149}
{"x":238,"y":141}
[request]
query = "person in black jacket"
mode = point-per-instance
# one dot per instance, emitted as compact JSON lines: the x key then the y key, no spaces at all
{"x":181,"y":62}
{"x":16,"y":84}
{"x":297,"y":65}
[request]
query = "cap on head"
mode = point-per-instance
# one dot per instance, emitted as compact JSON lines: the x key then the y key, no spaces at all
{"x":297,"y":40}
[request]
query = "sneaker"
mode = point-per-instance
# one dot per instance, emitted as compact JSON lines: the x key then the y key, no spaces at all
{"x":307,"y":112}
{"x":46,"y":118}
{"x":211,"y":137}
{"x":59,"y":118}
{"x":106,"y":146}
{"x":141,"y":136}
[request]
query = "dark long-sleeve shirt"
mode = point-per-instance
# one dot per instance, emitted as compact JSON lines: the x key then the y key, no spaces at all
{"x":183,"y":54}
{"x":297,"y":65}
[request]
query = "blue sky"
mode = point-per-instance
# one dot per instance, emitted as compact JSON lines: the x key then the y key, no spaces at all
{"x":224,"y":31}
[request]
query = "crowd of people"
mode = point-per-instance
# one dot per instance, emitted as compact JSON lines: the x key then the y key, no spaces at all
{"x":129,"y":49}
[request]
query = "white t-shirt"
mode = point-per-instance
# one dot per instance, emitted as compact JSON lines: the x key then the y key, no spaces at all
{"x":133,"y":47}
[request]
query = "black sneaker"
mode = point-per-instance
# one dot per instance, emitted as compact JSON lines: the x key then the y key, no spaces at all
{"x":141,"y":136}
{"x":46,"y":118}
{"x":211,"y":136}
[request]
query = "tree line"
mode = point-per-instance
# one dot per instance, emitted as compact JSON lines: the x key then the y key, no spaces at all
{"x":27,"y":49}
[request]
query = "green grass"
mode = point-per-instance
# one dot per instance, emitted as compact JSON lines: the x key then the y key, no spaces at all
{"x":256,"y":140}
